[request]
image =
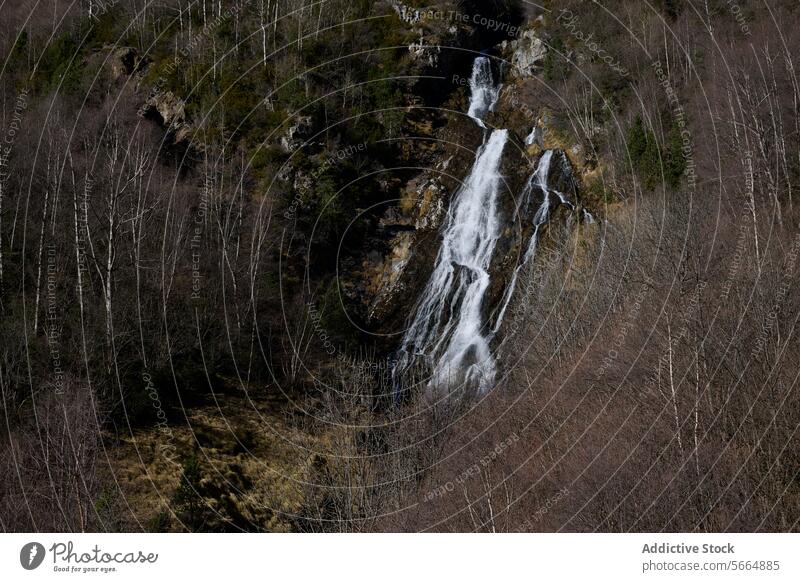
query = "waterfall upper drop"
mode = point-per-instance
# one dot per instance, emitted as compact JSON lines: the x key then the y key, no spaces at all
{"x":483,"y":91}
{"x":446,"y":330}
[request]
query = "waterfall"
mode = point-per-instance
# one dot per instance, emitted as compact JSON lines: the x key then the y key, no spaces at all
{"x":446,"y":330}
{"x":483,"y":91}
{"x":537,"y":181}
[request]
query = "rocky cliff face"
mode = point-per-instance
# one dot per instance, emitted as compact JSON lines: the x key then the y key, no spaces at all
{"x":527,"y":53}
{"x":383,"y":282}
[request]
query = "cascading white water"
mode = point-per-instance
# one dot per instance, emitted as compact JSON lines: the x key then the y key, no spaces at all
{"x":483,"y":91}
{"x":462,"y":272}
{"x":537,"y":181}
{"x":446,"y":329}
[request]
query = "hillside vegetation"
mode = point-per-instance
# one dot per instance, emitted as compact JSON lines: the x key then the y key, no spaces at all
{"x":216,"y":216}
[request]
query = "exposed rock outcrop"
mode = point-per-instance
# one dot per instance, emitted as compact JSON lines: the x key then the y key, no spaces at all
{"x":425,"y":51}
{"x":421,"y":212}
{"x":527,"y":53}
{"x":297,"y":133}
{"x":169,"y":111}
{"x":125,"y":61}
{"x":396,"y":262}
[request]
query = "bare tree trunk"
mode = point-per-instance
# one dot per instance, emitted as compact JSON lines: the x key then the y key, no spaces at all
{"x":742,"y":145}
{"x":263,"y":15}
{"x":696,"y":409}
{"x":2,"y":191}
{"x":672,"y":388}
{"x":48,"y":184}
{"x":107,"y":283}
{"x":76,"y":222}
